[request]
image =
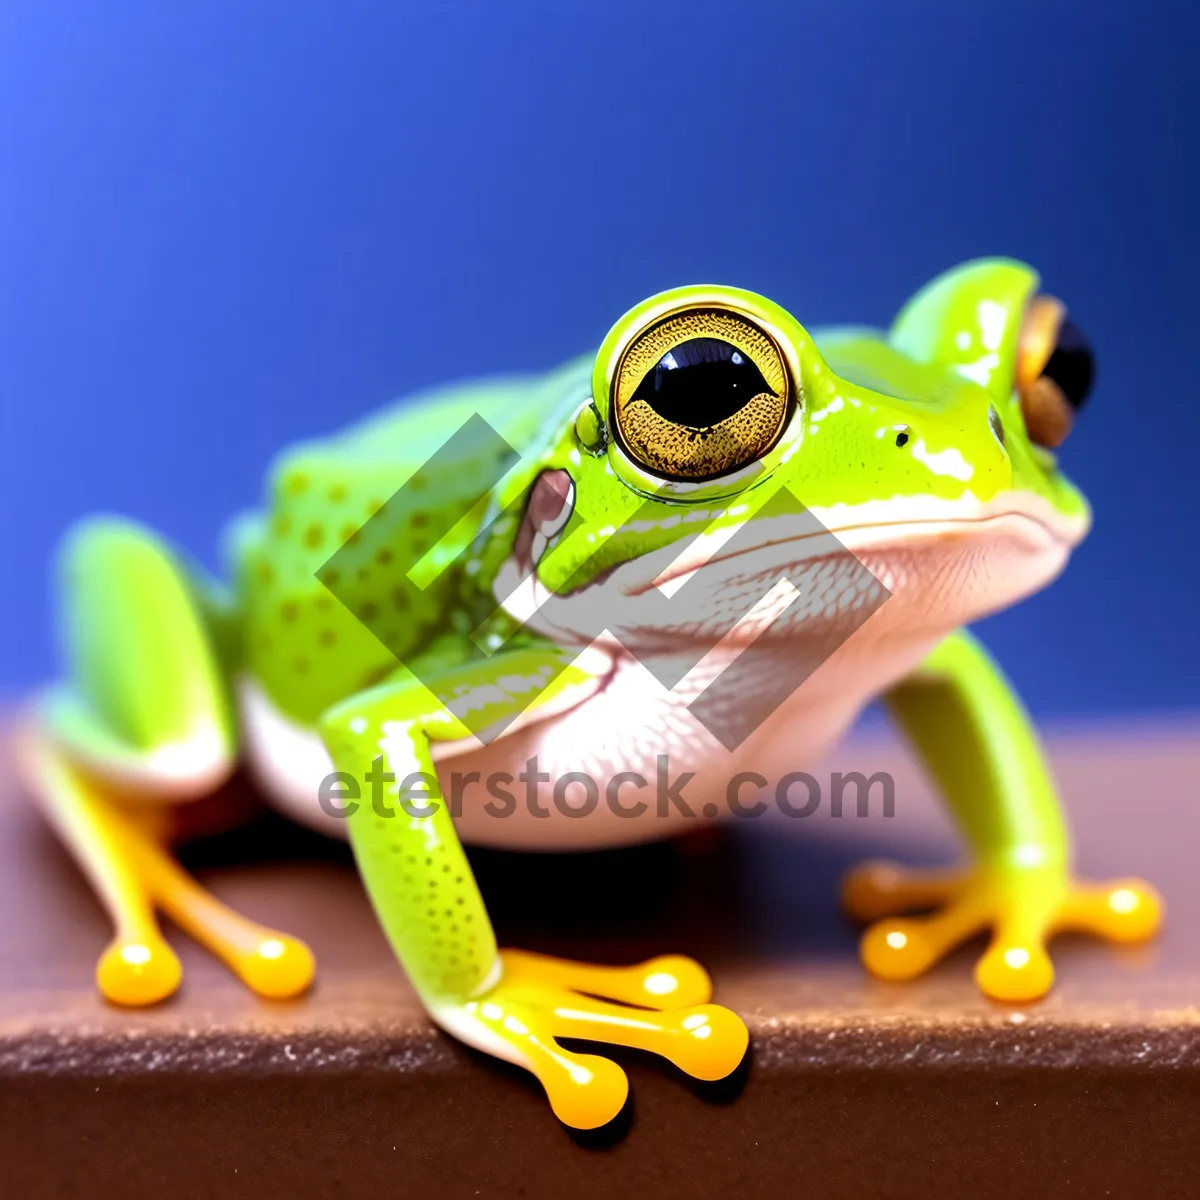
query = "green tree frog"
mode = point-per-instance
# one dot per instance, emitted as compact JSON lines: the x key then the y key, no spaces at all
{"x":925,"y":450}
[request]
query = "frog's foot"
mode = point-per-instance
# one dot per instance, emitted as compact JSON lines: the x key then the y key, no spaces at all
{"x":123,"y":855}
{"x":268,"y":962}
{"x":660,"y":1005}
{"x":1023,"y":907}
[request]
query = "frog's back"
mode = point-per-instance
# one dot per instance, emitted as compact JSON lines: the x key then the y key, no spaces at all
{"x":303,"y":645}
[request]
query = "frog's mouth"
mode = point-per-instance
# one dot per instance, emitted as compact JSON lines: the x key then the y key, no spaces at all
{"x":952,"y":561}
{"x":867,"y":530}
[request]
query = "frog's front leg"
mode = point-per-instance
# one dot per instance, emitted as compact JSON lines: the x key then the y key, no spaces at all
{"x":978,"y":744}
{"x":142,"y":722}
{"x":510,"y":1004}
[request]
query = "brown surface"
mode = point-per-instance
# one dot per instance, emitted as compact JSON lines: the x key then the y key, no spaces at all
{"x":852,"y":1087}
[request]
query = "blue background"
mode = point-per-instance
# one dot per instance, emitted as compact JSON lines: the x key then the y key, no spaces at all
{"x":224,"y":227}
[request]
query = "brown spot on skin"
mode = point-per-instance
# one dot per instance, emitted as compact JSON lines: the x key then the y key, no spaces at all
{"x":296,"y":483}
{"x":324,"y":604}
{"x":377,"y":674}
{"x":327,"y":637}
{"x":349,"y":533}
{"x":330,"y":578}
{"x":314,"y":535}
{"x":283,"y":525}
{"x":383,"y":557}
{"x":368,"y":611}
{"x":289,"y":611}
{"x":419,"y":520}
{"x":399,"y":598}
{"x":300,"y":663}
{"x":373,"y":506}
{"x":338,"y":493}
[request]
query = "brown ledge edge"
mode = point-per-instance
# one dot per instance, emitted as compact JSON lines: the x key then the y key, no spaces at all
{"x":851,"y":1087}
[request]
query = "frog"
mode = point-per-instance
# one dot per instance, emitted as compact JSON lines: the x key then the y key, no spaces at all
{"x":430,"y":595}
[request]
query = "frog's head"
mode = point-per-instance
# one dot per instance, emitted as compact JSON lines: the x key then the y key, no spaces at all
{"x":926,"y":450}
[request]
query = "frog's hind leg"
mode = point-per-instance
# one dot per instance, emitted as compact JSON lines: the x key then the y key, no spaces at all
{"x":144,"y":721}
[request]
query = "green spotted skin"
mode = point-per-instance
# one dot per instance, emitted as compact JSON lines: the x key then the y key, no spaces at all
{"x":414,"y":867}
{"x":410,"y":858}
{"x":316,"y":631}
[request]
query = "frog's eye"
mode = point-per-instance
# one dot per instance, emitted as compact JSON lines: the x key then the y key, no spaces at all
{"x":700,"y":394}
{"x":1055,"y":371}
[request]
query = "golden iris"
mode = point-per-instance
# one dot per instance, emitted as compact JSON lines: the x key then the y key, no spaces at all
{"x":700,"y":394}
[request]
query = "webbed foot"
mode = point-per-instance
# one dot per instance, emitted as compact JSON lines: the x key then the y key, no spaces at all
{"x":660,"y":1005}
{"x":1024,"y":908}
{"x":134,"y":874}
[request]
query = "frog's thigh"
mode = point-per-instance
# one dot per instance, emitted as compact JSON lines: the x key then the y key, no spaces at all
{"x":144,"y":714}
{"x":145,"y":703}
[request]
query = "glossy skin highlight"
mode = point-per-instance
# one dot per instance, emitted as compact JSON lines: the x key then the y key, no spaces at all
{"x":908,"y":445}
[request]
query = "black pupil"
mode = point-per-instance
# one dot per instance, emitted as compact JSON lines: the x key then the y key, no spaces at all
{"x":1072,"y":365}
{"x":700,"y":382}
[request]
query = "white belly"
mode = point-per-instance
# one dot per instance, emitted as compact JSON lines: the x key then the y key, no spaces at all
{"x":632,"y":724}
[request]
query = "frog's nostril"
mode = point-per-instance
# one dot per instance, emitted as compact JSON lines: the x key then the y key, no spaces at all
{"x":997,"y":426}
{"x":902,"y":437}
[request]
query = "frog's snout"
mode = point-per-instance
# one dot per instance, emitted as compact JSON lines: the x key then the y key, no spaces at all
{"x":962,"y":446}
